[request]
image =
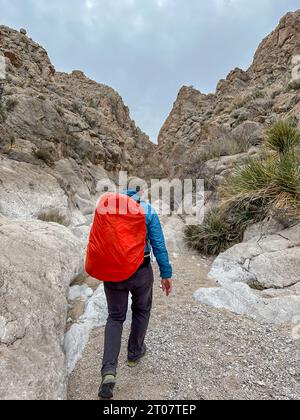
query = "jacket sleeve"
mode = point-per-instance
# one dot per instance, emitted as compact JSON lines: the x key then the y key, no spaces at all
{"x":157,"y":241}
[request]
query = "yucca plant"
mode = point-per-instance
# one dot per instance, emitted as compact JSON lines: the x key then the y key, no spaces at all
{"x":283,"y":137}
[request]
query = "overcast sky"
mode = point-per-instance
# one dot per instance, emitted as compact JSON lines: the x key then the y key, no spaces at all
{"x":148,"y":49}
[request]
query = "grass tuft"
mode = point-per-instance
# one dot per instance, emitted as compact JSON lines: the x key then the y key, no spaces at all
{"x":54,"y":216}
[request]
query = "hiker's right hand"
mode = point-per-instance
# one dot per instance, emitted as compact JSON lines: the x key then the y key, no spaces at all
{"x":167,"y":286}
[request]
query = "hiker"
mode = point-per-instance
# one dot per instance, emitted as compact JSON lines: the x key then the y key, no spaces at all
{"x":119,"y":254}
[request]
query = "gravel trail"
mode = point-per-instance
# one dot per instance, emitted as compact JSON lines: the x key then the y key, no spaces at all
{"x":197,"y":353}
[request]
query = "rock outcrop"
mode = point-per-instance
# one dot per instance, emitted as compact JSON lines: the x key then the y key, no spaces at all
{"x":65,"y":115}
{"x":38,"y":261}
{"x":243,"y":105}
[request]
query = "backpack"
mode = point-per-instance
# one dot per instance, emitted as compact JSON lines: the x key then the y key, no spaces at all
{"x":117,"y":240}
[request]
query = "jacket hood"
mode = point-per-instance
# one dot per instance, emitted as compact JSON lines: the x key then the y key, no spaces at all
{"x":132,"y":194}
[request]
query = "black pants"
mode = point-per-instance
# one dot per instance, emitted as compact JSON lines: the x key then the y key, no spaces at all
{"x":140,"y":285}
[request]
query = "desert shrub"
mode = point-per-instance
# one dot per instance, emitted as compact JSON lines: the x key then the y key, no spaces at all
{"x":294,"y":85}
{"x":212,"y":237}
{"x":44,"y":155}
{"x":277,"y":182}
{"x":54,"y":216}
{"x":224,"y":227}
{"x":276,"y":92}
{"x":222,"y":147}
{"x":11,"y":104}
{"x":254,"y":176}
{"x":59,"y":110}
{"x":91,"y":121}
{"x":76,"y":108}
{"x":12,"y":141}
{"x":93,"y":104}
{"x":244,"y":99}
{"x":243,"y":213}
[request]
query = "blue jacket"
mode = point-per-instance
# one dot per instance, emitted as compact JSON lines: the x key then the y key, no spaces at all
{"x":155,"y":236}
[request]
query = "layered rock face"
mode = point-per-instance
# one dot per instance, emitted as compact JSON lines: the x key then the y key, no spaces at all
{"x":242,"y":106}
{"x":67,"y":115}
{"x":61,"y":126}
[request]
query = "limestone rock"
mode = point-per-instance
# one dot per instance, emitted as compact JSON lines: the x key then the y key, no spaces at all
{"x":38,"y":261}
{"x":76,"y":339}
{"x":26,"y":191}
{"x":240,"y":299}
{"x":265,"y":262}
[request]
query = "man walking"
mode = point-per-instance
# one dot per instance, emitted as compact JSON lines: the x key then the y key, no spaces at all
{"x":120,"y":247}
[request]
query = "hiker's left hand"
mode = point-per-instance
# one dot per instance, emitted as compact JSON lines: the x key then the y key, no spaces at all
{"x":167,"y":286}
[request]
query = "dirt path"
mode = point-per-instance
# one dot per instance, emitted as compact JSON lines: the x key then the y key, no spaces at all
{"x":195,"y":352}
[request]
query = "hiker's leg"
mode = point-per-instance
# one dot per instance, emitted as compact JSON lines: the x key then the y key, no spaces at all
{"x":117,"y":301}
{"x":142,"y":296}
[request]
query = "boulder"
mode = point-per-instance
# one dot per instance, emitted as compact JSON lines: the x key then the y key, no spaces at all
{"x":251,"y":131}
{"x":38,"y":261}
{"x":286,"y":102}
{"x":240,"y":299}
{"x":259,"y":230}
{"x":77,"y":337}
{"x":80,"y":293}
{"x":278,"y":269}
{"x":268,"y":263}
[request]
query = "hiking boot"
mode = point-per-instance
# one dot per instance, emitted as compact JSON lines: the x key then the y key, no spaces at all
{"x":106,"y":390}
{"x":134,"y":363}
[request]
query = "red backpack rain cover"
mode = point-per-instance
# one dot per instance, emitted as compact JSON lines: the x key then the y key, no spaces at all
{"x":117,"y":240}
